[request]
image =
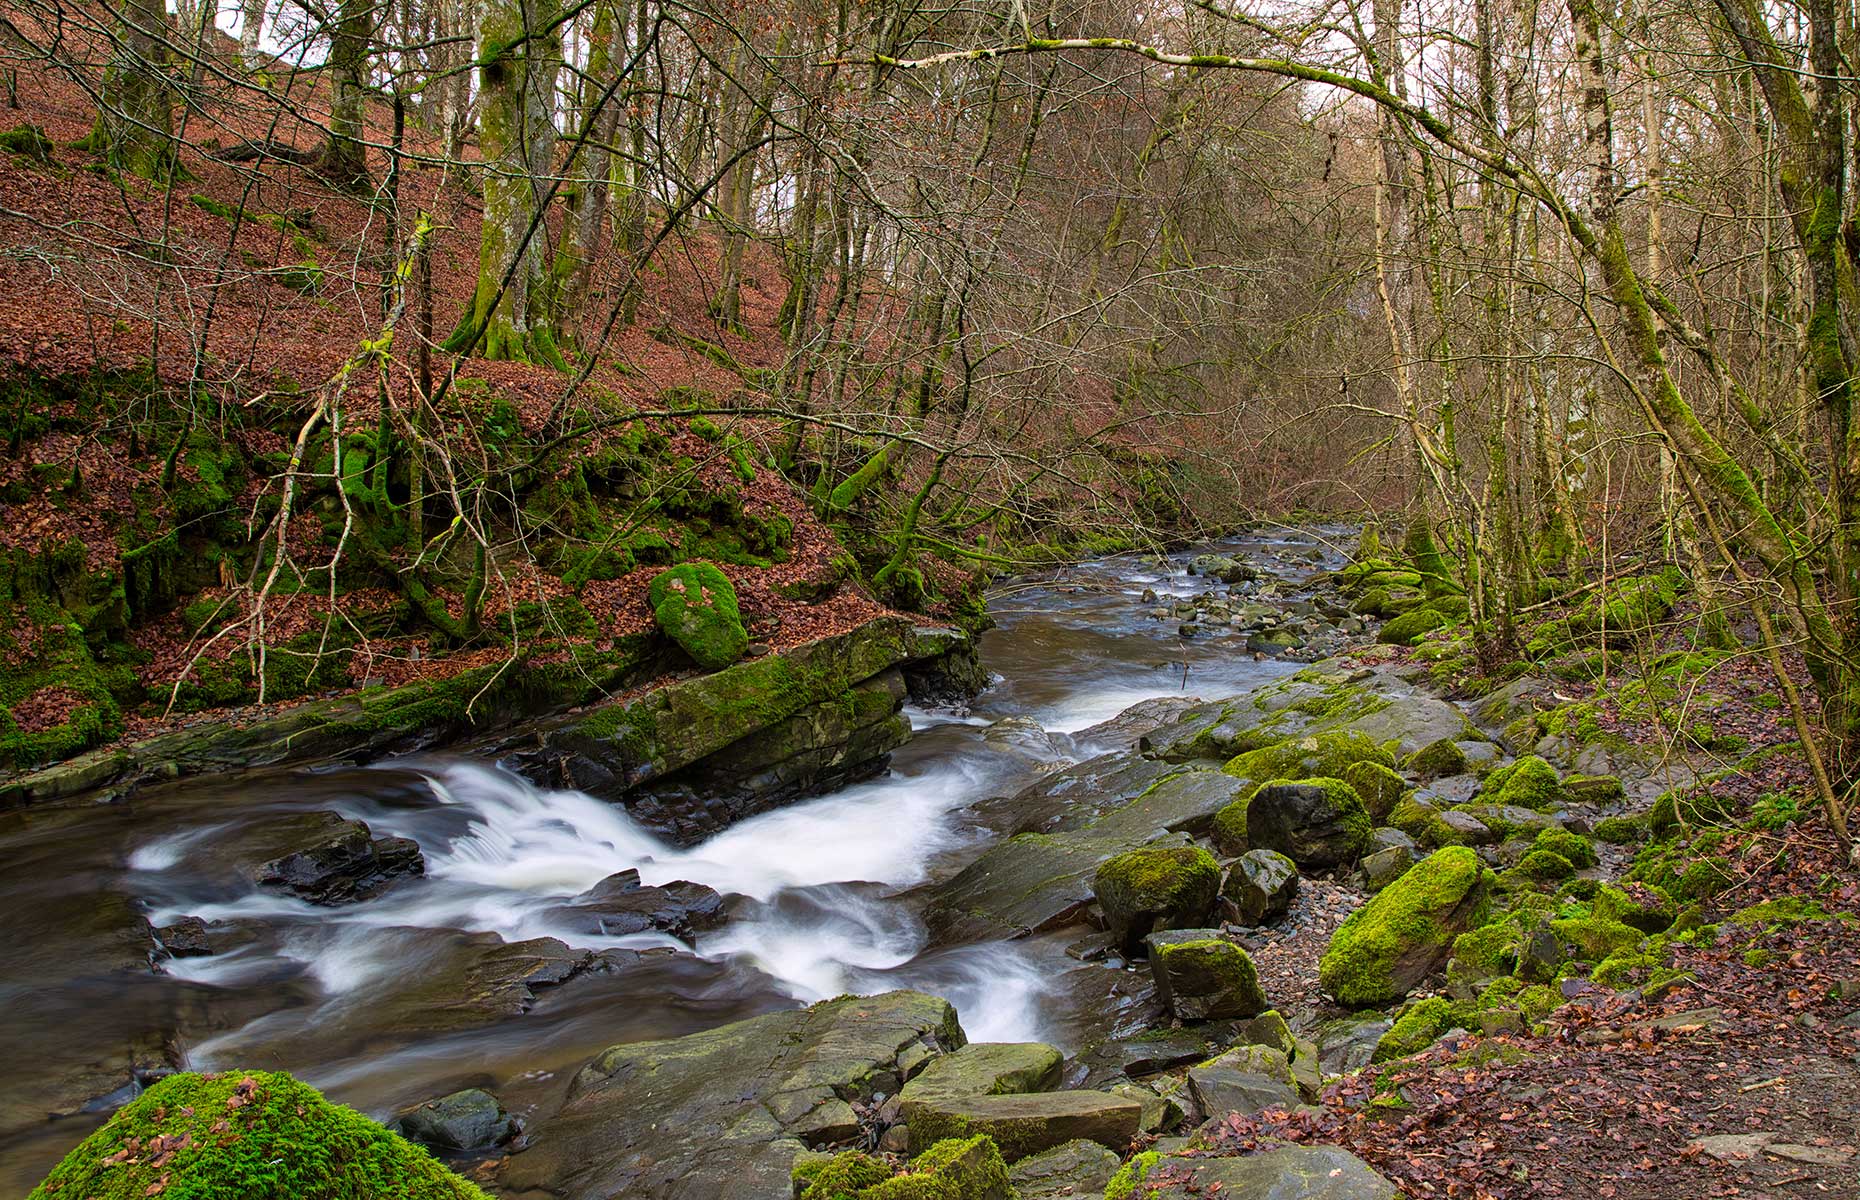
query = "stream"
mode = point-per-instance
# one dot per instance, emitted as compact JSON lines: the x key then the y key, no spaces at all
{"x":367,"y":1001}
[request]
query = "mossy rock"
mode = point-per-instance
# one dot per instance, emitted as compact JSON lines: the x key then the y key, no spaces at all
{"x":1528,"y":783}
{"x":1412,"y":626}
{"x":1422,"y":822}
{"x":1155,"y":888}
{"x":1621,"y":831}
{"x":1638,"y":905}
{"x":1317,"y":823}
{"x":29,"y":142}
{"x":1327,"y":754}
{"x":1436,"y":760}
{"x":840,"y":1177}
{"x":1381,"y":789}
{"x":1592,"y":789}
{"x":1543,"y":866}
{"x":970,"y":1168}
{"x":1419,"y":1026}
{"x":695,"y":605}
{"x":1595,"y":938}
{"x":1406,"y":931}
{"x":1572,"y":846}
{"x":1489,"y":950}
{"x":1228,"y":829}
{"x":1200,"y":975}
{"x":253,"y":1135}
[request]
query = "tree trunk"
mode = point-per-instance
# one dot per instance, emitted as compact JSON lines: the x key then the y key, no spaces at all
{"x":135,"y":114}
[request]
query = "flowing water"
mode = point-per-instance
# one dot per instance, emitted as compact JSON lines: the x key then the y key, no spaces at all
{"x":359,"y":999}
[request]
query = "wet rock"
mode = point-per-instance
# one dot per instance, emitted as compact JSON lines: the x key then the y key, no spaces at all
{"x":1287,"y":1173}
{"x":327,"y":859}
{"x":1349,"y":1043}
{"x":1160,"y":1113}
{"x":726,"y":1104}
{"x":1223,"y":568}
{"x":468,"y":1120}
{"x":1261,"y":885}
{"x":1274,"y":641}
{"x":186,"y":938}
{"x":620,"y":905}
{"x":1385,"y":866}
{"x":1319,"y":823}
{"x":1150,"y":1052}
{"x":1078,"y":1168}
{"x":1029,"y":1123}
{"x":1244,"y":1080}
{"x":1201,"y":975}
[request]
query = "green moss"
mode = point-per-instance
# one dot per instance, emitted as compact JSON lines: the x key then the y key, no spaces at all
{"x":1648,"y":909}
{"x":28,"y":142}
{"x":1419,"y":1026}
{"x":1436,"y":760}
{"x":1621,"y":831}
{"x":1786,"y":910}
{"x":1528,"y":783}
{"x":1416,"y":916}
{"x":1490,"y":950}
{"x":1131,"y":1176}
{"x":1327,"y":754}
{"x":1411,"y":626}
{"x":953,"y":1169}
{"x":1595,"y":938}
{"x":1423,"y":823}
{"x":1572,"y":846}
{"x":1159,"y":879}
{"x":695,"y":605}
{"x":841,"y":1177}
{"x":1381,"y":789}
{"x":1352,"y":819}
{"x":256,"y":1136}
{"x":1228,"y":831}
{"x":1543,"y":866}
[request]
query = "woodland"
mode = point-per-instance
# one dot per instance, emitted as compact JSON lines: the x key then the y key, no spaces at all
{"x":691,"y":408}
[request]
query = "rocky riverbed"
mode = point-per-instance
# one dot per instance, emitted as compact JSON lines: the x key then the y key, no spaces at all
{"x":1047,"y":898}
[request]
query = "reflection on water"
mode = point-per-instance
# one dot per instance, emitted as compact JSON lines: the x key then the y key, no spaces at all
{"x":344,"y":996}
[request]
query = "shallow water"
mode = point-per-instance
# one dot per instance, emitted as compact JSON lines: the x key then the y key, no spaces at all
{"x":336,"y":995}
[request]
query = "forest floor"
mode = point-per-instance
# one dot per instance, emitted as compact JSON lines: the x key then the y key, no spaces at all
{"x":1739,"y":1079}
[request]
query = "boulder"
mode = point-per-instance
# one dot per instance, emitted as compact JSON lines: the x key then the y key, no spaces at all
{"x":985,"y":1069}
{"x":1147,"y":1053}
{"x":1028,"y":1123}
{"x":695,"y":605}
{"x":1317,"y":823}
{"x":1380,"y":788}
{"x":1261,"y":885}
{"x":1162,"y":887}
{"x":1244,"y":1080}
{"x":1383,"y":867}
{"x":620,"y":905}
{"x":328,"y":859}
{"x":1406,"y":931}
{"x":1286,"y":1173}
{"x":1076,"y":1169}
{"x":1201,"y":975}
{"x":1436,"y":760}
{"x":725,"y":1111}
{"x":468,"y":1120}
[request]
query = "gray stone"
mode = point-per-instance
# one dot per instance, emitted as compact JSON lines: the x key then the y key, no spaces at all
{"x":1148,"y":1053}
{"x":1077,"y":1168}
{"x":467,"y":1120}
{"x":324,"y":857}
{"x":1349,"y":1043}
{"x":1471,"y":830}
{"x":1385,"y":866}
{"x":1027,"y":1124}
{"x":1287,"y":1173}
{"x":1261,"y":885}
{"x":620,"y":905}
{"x":1315,"y":825}
{"x":1244,"y":1080}
{"x":985,"y":1069}
{"x":721,"y":1112}
{"x":1159,"y":1112}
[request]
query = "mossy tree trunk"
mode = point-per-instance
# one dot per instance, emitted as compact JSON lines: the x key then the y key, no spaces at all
{"x":351,"y":35}
{"x":135,"y":112}
{"x":594,"y":164}
{"x":519,"y":54}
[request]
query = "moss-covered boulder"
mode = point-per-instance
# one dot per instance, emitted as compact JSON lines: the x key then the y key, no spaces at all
{"x":1436,"y":760}
{"x":1317,"y":823}
{"x":1154,"y":888}
{"x":254,"y":1135}
{"x":1418,"y":1027}
{"x":1412,"y":626}
{"x":1528,"y":783}
{"x":1542,"y":866}
{"x":1228,"y":830}
{"x":695,"y":605}
{"x":1200,"y":975}
{"x":1579,"y":850}
{"x":1023,"y":1124}
{"x":1421,"y":820}
{"x":1380,"y":788}
{"x":970,"y":1168}
{"x":843,"y":1176}
{"x":1328,"y":754}
{"x":1638,"y":905}
{"x":1406,"y":930}
{"x":985,"y":1069}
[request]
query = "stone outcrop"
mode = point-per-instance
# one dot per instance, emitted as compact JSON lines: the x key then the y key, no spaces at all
{"x":725,"y":1112}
